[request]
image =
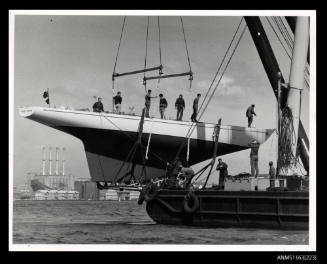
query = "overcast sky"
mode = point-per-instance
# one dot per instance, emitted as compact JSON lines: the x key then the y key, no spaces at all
{"x":74,"y":57}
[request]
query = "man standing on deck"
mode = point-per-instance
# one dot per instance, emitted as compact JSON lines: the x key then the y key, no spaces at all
{"x":162,"y":106}
{"x":98,"y":106}
{"x":249,"y":114}
{"x":223,"y":172}
{"x":254,"y":158}
{"x":272,"y":170}
{"x":148,"y":103}
{"x":180,"y":105}
{"x":195,"y":108}
{"x":117,"y":102}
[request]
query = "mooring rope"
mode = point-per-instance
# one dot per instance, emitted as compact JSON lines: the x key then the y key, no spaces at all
{"x":286,"y":139}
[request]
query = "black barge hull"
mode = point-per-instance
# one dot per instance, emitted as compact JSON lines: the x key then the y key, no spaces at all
{"x":217,"y":208}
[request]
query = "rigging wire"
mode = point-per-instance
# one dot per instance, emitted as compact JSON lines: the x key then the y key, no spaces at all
{"x":146,"y":50}
{"x":205,"y":107}
{"x":113,"y":78}
{"x":289,"y":43}
{"x":289,"y":40}
{"x":159,"y":42}
{"x":189,"y":62}
{"x":286,"y":51}
{"x":99,"y":157}
{"x":192,"y":127}
{"x":221,"y":64}
{"x":217,"y":73}
{"x":287,"y":33}
{"x":187,"y":52}
{"x":121,"y":35}
{"x":127,"y":135}
{"x":284,"y":34}
{"x":155,"y":111}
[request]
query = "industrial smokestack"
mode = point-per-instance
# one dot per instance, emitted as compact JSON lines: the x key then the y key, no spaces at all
{"x":63,"y":161}
{"x":57,"y":161}
{"x":50,"y":161}
{"x":43,"y":161}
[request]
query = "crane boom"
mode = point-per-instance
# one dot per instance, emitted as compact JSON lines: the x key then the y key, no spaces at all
{"x":272,"y":69}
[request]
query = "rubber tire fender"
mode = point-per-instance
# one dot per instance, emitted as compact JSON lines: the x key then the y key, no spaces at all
{"x":194,"y":207}
{"x":141,"y":198}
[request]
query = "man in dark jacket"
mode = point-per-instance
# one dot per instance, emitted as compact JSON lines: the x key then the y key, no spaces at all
{"x":98,"y":106}
{"x":148,"y":103}
{"x":180,"y":105}
{"x":249,"y":114}
{"x":195,"y":108}
{"x":162,"y":106}
{"x":117,"y":102}
{"x":223,"y":172}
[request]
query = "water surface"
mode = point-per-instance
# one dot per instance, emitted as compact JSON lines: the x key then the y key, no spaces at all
{"x":113,"y":222}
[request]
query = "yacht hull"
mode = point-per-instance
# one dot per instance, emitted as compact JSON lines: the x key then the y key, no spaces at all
{"x":108,"y":139}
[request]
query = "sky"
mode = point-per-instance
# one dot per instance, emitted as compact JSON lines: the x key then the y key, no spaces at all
{"x":74,"y":57}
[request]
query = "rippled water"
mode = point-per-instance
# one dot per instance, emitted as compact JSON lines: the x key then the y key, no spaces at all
{"x":113,"y":222}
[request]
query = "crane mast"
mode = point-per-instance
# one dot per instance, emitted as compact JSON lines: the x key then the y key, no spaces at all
{"x":272,"y":69}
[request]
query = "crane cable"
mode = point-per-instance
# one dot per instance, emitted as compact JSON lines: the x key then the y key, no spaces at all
{"x":190,"y":87}
{"x":189,"y":62}
{"x":146,"y":51}
{"x":160,"y":72}
{"x":187,"y":52}
{"x":286,"y":50}
{"x":192,"y":127}
{"x":113,"y":78}
{"x":159,"y":44}
{"x":290,"y":43}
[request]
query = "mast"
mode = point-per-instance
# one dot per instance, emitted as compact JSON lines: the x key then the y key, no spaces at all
{"x":272,"y":69}
{"x":300,"y":49}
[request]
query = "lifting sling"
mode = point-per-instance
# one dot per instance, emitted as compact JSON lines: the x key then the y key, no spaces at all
{"x":130,"y":157}
{"x":215,"y":148}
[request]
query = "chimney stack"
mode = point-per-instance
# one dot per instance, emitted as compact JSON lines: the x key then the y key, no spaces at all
{"x":50,"y":161}
{"x":57,"y":161}
{"x":63,"y":161}
{"x":43,"y":161}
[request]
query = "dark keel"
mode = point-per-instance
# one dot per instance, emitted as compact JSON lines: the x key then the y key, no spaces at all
{"x":260,"y":209}
{"x":107,"y":149}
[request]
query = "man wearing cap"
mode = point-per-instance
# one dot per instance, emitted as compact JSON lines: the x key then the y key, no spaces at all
{"x":222,"y":168}
{"x":162,"y":106}
{"x":249,"y":114}
{"x":98,"y":106}
{"x":254,"y":158}
{"x":117,"y":102}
